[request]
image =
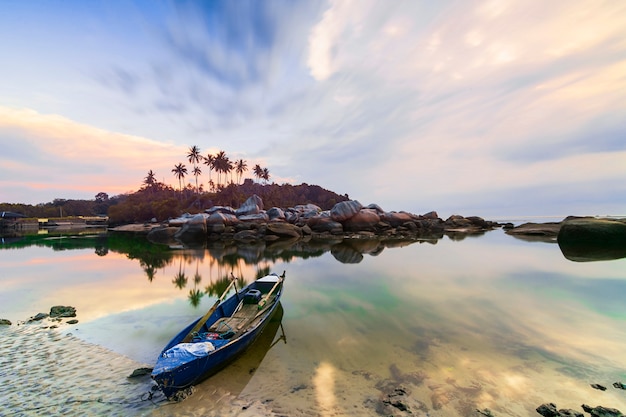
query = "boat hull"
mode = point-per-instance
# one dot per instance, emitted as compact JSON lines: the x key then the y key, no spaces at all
{"x":182,"y":365}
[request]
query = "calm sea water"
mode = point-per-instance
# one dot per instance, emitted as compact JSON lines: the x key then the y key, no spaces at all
{"x":449,"y":325}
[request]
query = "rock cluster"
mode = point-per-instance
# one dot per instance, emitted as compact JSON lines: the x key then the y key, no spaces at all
{"x":252,"y":222}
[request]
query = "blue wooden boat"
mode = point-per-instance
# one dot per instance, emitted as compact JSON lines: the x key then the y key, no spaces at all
{"x":214,"y":340}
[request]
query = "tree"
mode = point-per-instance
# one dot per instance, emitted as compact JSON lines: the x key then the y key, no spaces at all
{"x":240,"y":167}
{"x":258,"y":171}
{"x":266,"y":175}
{"x":150,"y":179}
{"x":180,"y":171}
{"x":209,"y":161}
{"x":220,"y":164}
{"x":194,"y":158}
{"x":196,"y":172}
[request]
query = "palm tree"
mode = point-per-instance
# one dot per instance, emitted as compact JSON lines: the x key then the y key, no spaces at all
{"x":229,"y":167}
{"x":150,"y":179}
{"x":258,"y":171}
{"x":194,"y":158}
{"x":209,"y":161}
{"x":240,"y":167}
{"x":220,"y":164}
{"x":266,"y":175}
{"x":197,"y":171}
{"x":180,"y":171}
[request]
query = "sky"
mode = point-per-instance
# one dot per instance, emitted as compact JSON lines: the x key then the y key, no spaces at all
{"x":490,"y":108}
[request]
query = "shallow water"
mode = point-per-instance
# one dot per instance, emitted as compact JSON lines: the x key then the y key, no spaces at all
{"x":443,"y":327}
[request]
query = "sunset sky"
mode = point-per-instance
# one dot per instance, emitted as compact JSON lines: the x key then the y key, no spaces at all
{"x":489,"y":108}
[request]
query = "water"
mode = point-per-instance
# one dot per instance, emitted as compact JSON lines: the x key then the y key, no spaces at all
{"x":443,"y":327}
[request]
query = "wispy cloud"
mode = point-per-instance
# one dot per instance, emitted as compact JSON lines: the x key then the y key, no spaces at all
{"x":407,"y":104}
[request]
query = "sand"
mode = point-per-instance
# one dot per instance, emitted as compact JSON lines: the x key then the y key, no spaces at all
{"x":50,"y":372}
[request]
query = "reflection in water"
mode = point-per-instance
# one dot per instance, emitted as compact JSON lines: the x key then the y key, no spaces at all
{"x":488,"y":322}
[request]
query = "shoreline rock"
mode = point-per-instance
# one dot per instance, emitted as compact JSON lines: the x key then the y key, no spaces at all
{"x":347,"y":219}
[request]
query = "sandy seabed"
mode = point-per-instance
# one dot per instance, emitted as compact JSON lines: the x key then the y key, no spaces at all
{"x":46,"y":371}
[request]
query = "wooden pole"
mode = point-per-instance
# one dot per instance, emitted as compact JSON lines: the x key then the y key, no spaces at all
{"x":203,"y":320}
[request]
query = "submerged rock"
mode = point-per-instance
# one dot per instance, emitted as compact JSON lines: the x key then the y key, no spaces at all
{"x":63,"y":311}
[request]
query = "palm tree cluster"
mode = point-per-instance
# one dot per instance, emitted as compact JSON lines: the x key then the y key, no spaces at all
{"x":220,"y":163}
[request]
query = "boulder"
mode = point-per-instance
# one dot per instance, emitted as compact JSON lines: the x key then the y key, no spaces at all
{"x":218,"y":217}
{"x":62,"y":311}
{"x":194,"y":230}
{"x":283,"y":229}
{"x":162,"y":235}
{"x":321,"y":224}
{"x":253,"y":205}
{"x":601,"y":411}
{"x":548,"y":410}
{"x":5,"y":322}
{"x":308,"y":209}
{"x":432,"y":215}
{"x":591,"y":239}
{"x":220,"y":209}
{"x":276,"y":213}
{"x":364,"y":220}
{"x":375,"y":207}
{"x":259,"y":217}
{"x":395,"y":219}
{"x":246,"y":236}
{"x":344,"y":210}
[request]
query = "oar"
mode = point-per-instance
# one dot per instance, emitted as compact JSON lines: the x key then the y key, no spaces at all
{"x":269,"y":294}
{"x":207,"y":315}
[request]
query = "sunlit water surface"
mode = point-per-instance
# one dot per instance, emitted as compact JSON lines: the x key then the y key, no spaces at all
{"x":484,"y":322}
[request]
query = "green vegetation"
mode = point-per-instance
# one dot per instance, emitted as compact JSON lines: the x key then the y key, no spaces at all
{"x":156,"y":200}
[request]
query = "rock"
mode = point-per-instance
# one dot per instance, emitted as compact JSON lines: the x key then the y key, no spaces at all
{"x":218,"y":217}
{"x":550,"y":229}
{"x":140,"y":372}
{"x":598,"y":387}
{"x":376,"y":208}
{"x":253,"y":205}
{"x":38,"y":317}
{"x":344,"y":210}
{"x":246,"y":235}
{"x":195,"y":229}
{"x":548,"y":410}
{"x":163,"y":235}
{"x":62,"y":311}
{"x":220,"y":209}
{"x":601,"y":411}
{"x":324,"y":224}
{"x":431,"y":215}
{"x":5,"y":322}
{"x":395,"y":219}
{"x":619,"y":385}
{"x":283,"y":229}
{"x":308,"y":210}
{"x":364,"y":220}
{"x":258,"y":217}
{"x":591,"y":239}
{"x":275,"y":213}
{"x":74,"y":321}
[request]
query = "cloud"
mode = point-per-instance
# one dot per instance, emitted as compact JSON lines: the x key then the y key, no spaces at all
{"x":52,"y":151}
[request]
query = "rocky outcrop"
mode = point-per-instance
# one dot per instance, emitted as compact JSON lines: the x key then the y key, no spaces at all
{"x":347,"y":219}
{"x":591,"y":239}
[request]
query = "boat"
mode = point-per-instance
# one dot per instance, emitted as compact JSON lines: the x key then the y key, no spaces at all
{"x":211,"y":342}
